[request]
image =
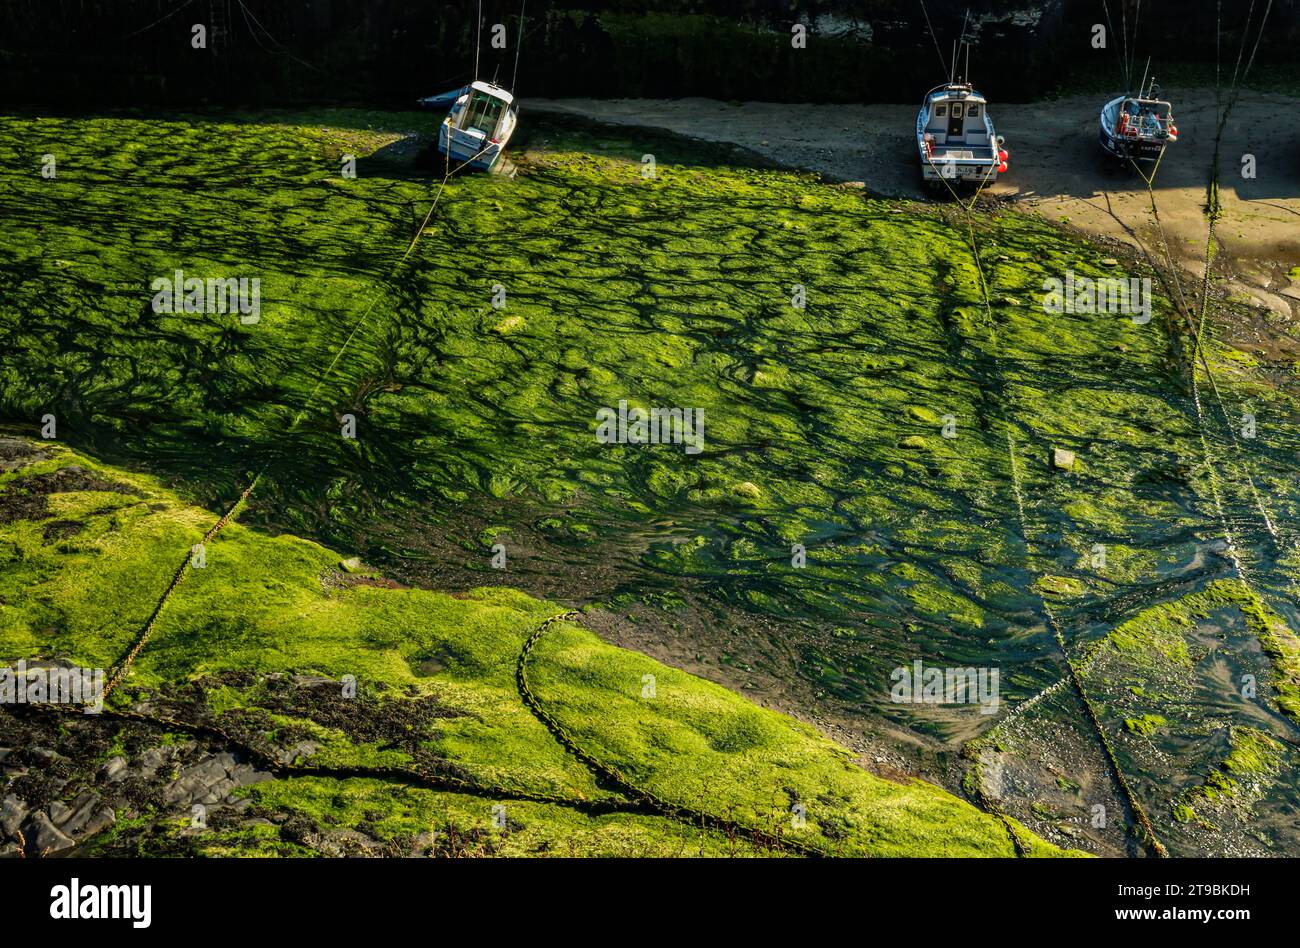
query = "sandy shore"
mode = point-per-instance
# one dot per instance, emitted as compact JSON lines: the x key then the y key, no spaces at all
{"x":1057,"y":168}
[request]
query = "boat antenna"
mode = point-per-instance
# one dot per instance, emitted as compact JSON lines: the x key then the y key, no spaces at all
{"x":1123,"y":38}
{"x":966,"y":78}
{"x":952,"y":71}
{"x":934,"y":37}
{"x":478,"y":33}
{"x":1137,"y":15}
{"x":1144,"y":78}
{"x":964,"y":21}
{"x":519,"y":42}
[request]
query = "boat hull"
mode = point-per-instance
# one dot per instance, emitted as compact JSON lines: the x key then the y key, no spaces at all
{"x":1138,"y":149}
{"x":468,"y":150}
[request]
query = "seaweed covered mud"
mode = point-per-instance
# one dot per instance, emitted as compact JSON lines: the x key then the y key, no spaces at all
{"x":294,"y":704}
{"x":872,"y":453}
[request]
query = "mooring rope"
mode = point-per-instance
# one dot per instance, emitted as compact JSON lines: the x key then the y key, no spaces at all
{"x":1198,"y":357}
{"x":626,"y":785}
{"x":1213,"y":210}
{"x":1208,"y":458}
{"x":1130,"y":798}
{"x":415,"y":774}
{"x":942,"y":61}
{"x":641,"y":797}
{"x":123,"y":665}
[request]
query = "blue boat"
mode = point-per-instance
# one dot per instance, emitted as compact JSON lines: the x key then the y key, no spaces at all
{"x":1137,"y":127}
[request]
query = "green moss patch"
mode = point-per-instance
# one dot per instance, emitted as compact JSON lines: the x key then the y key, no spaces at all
{"x":256,"y":643}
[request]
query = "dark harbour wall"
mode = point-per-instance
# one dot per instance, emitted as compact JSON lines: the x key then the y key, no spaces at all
{"x":122,"y":53}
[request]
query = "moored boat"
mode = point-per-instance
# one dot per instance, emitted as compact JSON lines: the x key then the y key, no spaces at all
{"x":1138,"y":127}
{"x":478,"y":125}
{"x":956,"y":139}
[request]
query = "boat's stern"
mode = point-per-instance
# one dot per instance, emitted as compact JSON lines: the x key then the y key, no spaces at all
{"x":958,"y":166}
{"x":467,"y":148}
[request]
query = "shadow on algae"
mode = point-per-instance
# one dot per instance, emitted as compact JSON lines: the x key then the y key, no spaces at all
{"x":475,"y":370}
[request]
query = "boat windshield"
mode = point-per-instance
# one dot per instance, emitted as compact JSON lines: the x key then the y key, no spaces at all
{"x":482,"y":113}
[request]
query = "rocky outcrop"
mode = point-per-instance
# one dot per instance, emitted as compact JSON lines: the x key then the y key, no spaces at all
{"x":53,"y":803}
{"x":56,"y":827}
{"x":211,"y":781}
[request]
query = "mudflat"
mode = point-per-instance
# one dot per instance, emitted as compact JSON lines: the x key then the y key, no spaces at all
{"x":1057,"y":169}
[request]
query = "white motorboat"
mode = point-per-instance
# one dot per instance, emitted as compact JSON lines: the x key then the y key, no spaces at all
{"x":956,"y":139}
{"x":478,"y":125}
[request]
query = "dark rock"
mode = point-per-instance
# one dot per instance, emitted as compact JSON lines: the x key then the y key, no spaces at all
{"x":16,"y":454}
{"x":101,"y":821}
{"x":301,"y":749}
{"x":72,"y":819}
{"x":211,"y":780}
{"x":153,"y":760}
{"x":113,"y":770}
{"x":12,"y":813}
{"x":43,"y":837}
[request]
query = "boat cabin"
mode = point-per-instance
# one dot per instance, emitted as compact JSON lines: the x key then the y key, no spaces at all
{"x":482,"y":110}
{"x":955,"y":137}
{"x":479,"y":123}
{"x":956,"y":122}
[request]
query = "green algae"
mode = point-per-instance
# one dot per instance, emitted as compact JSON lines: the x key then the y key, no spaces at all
{"x":1254,"y":758}
{"x":1254,"y":754}
{"x":260,"y":610}
{"x":1283,"y":648}
{"x":1146,"y":725}
{"x":1060,"y":586}
{"x":1161,"y":630}
{"x":1169,"y":683}
{"x":470,"y":414}
{"x":1173,"y":677}
{"x":465,"y":825}
{"x":824,"y":423}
